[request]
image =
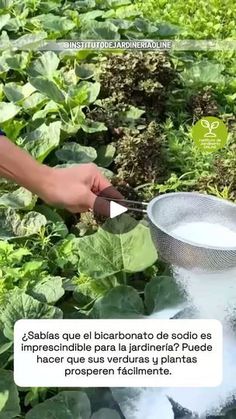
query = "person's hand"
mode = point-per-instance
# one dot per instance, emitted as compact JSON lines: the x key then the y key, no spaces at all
{"x":77,"y":188}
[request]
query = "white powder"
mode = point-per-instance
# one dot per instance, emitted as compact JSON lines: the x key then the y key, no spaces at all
{"x":206,"y":233}
{"x":213,"y":294}
{"x":211,"y":400}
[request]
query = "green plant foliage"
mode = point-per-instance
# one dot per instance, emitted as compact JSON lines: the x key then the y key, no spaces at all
{"x":113,"y":253}
{"x":9,"y":400}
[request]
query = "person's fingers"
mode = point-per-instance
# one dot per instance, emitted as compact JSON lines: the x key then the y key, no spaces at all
{"x":98,"y":205}
{"x":104,"y":188}
{"x":91,"y":199}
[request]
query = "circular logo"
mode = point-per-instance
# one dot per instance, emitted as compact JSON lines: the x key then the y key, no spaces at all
{"x":210,"y":134}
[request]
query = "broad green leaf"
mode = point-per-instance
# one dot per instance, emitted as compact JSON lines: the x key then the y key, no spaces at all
{"x":43,"y":140}
{"x":106,"y":414}
{"x":13,"y":127}
{"x":46,"y":65}
{"x":8,"y":111}
{"x":93,"y":14}
{"x":18,"y":61}
{"x":76,"y":153}
{"x":84,"y":93}
{"x":9,"y":398}
{"x":85,"y":71}
{"x":13,"y":226}
{"x":48,"y":88}
{"x":205,"y":72}
{"x":100,"y":30}
{"x":19,"y":199}
{"x":162,"y":292}
{"x":65,"y":405}
{"x":133,"y":113}
{"x":93,"y":288}
{"x":121,"y":302}
{"x":166,"y":30}
{"x":51,"y":107}
{"x":34,"y":101}
{"x":122,"y":12}
{"x":105,"y":155}
{"x":4,"y":19}
{"x":30,"y":41}
{"x":91,"y":127}
{"x":117,"y":3}
{"x":144,"y":26}
{"x":59,"y":227}
{"x":48,"y":290}
{"x":15,"y":92}
{"x":22,"y":306}
{"x":54,"y":23}
{"x":131,"y":251}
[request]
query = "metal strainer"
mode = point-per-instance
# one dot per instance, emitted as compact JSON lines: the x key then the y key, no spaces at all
{"x":167,"y":211}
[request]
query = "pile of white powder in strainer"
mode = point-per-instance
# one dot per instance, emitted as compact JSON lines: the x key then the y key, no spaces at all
{"x":204,"y":233}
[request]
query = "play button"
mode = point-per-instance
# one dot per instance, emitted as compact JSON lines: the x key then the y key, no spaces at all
{"x":116,"y":209}
{"x":109,"y":214}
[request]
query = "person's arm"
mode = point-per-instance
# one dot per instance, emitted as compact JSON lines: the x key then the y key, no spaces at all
{"x":75,"y":188}
{"x":19,"y":166}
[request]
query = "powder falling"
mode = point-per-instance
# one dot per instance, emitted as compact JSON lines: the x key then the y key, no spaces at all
{"x":213,"y":295}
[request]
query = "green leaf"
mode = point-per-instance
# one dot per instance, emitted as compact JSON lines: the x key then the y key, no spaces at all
{"x":13,"y":127}
{"x":91,"y":127}
{"x":30,"y":41}
{"x":23,"y":306}
{"x":18,"y":61}
{"x":92,"y":15}
{"x":14,"y":92}
{"x":121,"y":302}
{"x":133,"y":113}
{"x":100,"y":31}
{"x":48,"y":290}
{"x":85,"y":71}
{"x":51,"y":107}
{"x":9,"y":399}
{"x":65,"y":405}
{"x":92,"y":90}
{"x":110,"y":253}
{"x":19,"y":199}
{"x":48,"y":88}
{"x":162,"y":292}
{"x":5,"y":347}
{"x":205,"y":72}
{"x":106,"y":414}
{"x":54,"y":23}
{"x":105,"y":155}
{"x":43,"y":140}
{"x":8,"y":111}
{"x":59,"y":227}
{"x":46,"y":65}
{"x":34,"y":100}
{"x":93,"y":288}
{"x":13,"y":226}
{"x":122,"y":12}
{"x":76,"y":153}
{"x":4,"y":19}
